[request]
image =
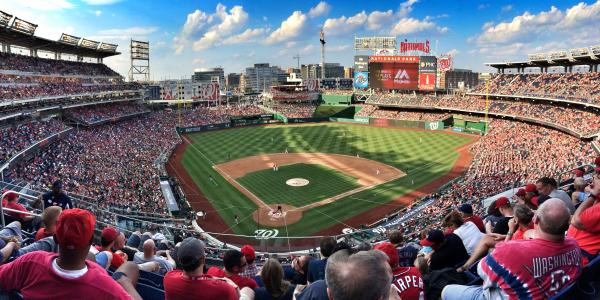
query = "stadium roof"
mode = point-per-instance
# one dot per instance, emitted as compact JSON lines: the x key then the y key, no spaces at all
{"x":17,"y":38}
{"x":573,"y":57}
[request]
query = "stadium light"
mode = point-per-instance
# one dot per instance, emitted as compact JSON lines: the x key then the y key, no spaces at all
{"x":23,"y":26}
{"x":89,"y":44}
{"x":69,"y":39}
{"x":5,"y":18}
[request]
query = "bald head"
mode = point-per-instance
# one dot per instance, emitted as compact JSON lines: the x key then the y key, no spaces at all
{"x":553,"y":217}
{"x":346,"y":277}
{"x":149,"y":248}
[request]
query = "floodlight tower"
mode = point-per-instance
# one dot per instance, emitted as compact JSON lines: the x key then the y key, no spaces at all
{"x":322,"y":39}
{"x":140,"y":60}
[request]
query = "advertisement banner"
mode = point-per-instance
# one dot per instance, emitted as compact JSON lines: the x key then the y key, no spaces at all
{"x":394,"y":76}
{"x":361,"y":63}
{"x":209,"y":91}
{"x":361,"y":80}
{"x":427,"y":81}
{"x":427,"y":64}
{"x":393,"y":59}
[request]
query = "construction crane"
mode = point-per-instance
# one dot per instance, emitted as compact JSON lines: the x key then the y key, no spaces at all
{"x":297,"y":58}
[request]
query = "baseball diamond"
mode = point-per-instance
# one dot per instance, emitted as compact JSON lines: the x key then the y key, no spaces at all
{"x":230,"y":173}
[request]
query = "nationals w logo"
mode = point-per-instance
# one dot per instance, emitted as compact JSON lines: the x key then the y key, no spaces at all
{"x":265,"y":234}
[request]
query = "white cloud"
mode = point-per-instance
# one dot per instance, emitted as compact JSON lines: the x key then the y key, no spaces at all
{"x":578,"y":23}
{"x":406,"y":8}
{"x":483,"y":6}
{"x":320,"y":10}
{"x":205,"y":31}
{"x":453,"y":52}
{"x":379,"y":19}
{"x":100,"y":2}
{"x":98,"y":13}
{"x":507,"y":8}
{"x":249,"y":35}
{"x":198,"y":61}
{"x":408,"y":26}
{"x":308,"y":49}
{"x":290,"y":28}
{"x":344,"y":25}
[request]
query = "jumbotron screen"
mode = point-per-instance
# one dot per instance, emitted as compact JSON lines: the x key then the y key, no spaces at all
{"x":394,"y":76}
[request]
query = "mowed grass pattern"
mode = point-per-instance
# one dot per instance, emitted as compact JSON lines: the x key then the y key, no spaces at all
{"x":270,"y":186}
{"x":423,"y":155}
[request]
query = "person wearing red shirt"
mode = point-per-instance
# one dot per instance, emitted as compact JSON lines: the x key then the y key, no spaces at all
{"x":66,"y":275}
{"x":407,"y":281}
{"x":528,"y":269}
{"x":585,"y":224}
{"x":467,"y":213}
{"x":191,"y":282}
{"x":111,"y":239}
{"x":235,"y":263}
{"x":49,"y":219}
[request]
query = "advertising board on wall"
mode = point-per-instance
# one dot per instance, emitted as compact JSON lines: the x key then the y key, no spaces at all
{"x":394,"y":76}
{"x":361,"y":80}
{"x":361,"y":63}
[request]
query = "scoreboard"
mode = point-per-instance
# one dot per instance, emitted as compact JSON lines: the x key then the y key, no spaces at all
{"x":400,"y":72}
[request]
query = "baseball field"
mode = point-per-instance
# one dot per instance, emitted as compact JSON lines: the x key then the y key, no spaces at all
{"x":311,"y":179}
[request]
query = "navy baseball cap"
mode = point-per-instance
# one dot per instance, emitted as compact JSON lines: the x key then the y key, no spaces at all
{"x":434,"y":237}
{"x":466,"y":208}
{"x":57,"y":184}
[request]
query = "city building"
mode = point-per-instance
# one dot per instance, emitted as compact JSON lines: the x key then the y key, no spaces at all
{"x":349,"y":72}
{"x":313,"y":71}
{"x":261,"y":77}
{"x":232,"y":81}
{"x":206,"y":75}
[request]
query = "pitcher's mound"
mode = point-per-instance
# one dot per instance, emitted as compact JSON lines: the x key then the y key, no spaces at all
{"x":277,"y":215}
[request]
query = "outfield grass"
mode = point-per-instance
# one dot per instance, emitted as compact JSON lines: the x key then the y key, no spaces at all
{"x":423,"y":155}
{"x":271,"y":186}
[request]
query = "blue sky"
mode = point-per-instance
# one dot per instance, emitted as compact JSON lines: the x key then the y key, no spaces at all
{"x":186,"y":35}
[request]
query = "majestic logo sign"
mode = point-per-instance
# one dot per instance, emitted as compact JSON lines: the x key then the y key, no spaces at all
{"x":410,"y":46}
{"x":401,"y":74}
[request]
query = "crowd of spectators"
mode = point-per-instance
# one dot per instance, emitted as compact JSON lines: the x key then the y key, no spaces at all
{"x":580,"y":87}
{"x":215,"y":115}
{"x":16,"y":138}
{"x":46,"y":66}
{"x":106,"y":111}
{"x":294,"y":110}
{"x":27,"y":91}
{"x":380,"y":112}
{"x":582,"y":121}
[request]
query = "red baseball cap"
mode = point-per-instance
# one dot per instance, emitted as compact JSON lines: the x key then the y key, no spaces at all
{"x":248,"y":252}
{"x":75,"y":228}
{"x":534,"y":201}
{"x":389,"y":250}
{"x":578,"y":173}
{"x":597,"y":161}
{"x":12,"y":196}
{"x":531,"y":188}
{"x":502,"y":201}
{"x":521,"y":192}
{"x":109,"y":234}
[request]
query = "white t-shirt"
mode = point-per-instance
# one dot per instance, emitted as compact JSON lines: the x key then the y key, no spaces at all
{"x":470,"y":236}
{"x":71,"y":274}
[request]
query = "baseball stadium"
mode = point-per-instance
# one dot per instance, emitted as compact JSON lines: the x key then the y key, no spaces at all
{"x":428,"y":160}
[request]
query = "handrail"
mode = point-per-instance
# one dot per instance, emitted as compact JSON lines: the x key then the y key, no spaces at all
{"x":2,"y":209}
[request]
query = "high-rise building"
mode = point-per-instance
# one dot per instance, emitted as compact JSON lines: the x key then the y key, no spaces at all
{"x":313,"y":71}
{"x":349,"y":72}
{"x":261,"y":77}
{"x":232,"y":81}
{"x":206,"y":75}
